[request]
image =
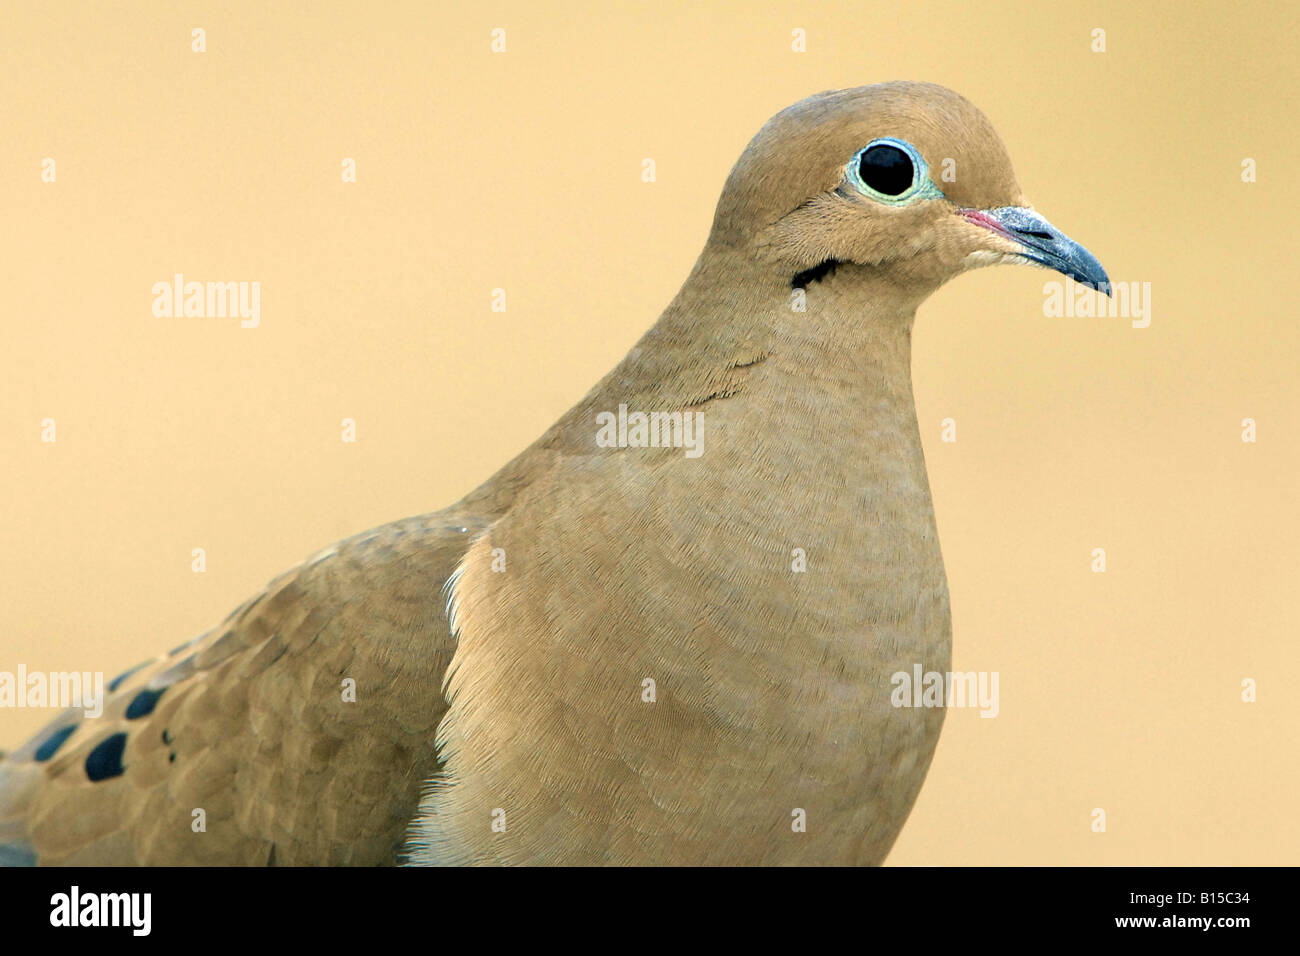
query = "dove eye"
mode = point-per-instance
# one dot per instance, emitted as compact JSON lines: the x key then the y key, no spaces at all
{"x":886,"y":169}
{"x":891,"y":171}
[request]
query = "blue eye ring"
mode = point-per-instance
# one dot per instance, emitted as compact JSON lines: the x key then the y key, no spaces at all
{"x":922,"y":187}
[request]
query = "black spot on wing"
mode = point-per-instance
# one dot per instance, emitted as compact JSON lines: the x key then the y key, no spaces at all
{"x":53,"y":742}
{"x":143,"y":703}
{"x":105,"y":761}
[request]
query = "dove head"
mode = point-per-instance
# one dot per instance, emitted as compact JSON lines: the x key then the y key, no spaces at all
{"x":905,"y":183}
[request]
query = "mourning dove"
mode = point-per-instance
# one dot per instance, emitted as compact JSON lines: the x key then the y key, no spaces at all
{"x":606,"y":653}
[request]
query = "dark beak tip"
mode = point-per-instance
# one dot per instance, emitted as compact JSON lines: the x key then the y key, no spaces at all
{"x":1101,"y":285}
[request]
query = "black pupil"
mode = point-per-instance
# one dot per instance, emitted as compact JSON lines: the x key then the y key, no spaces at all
{"x":886,"y":169}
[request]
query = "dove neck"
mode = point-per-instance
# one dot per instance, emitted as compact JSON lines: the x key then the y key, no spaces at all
{"x":818,"y":400}
{"x":806,"y":431}
{"x":737,"y":328}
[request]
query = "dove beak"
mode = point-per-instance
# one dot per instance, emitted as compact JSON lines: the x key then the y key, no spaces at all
{"x":1042,"y":243}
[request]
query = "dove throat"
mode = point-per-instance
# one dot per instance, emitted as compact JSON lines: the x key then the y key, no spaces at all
{"x":808,"y":442}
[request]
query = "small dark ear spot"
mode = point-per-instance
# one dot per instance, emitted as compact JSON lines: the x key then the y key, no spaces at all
{"x":815,"y":274}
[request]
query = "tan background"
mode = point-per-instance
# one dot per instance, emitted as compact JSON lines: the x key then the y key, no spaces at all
{"x":522,"y":170}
